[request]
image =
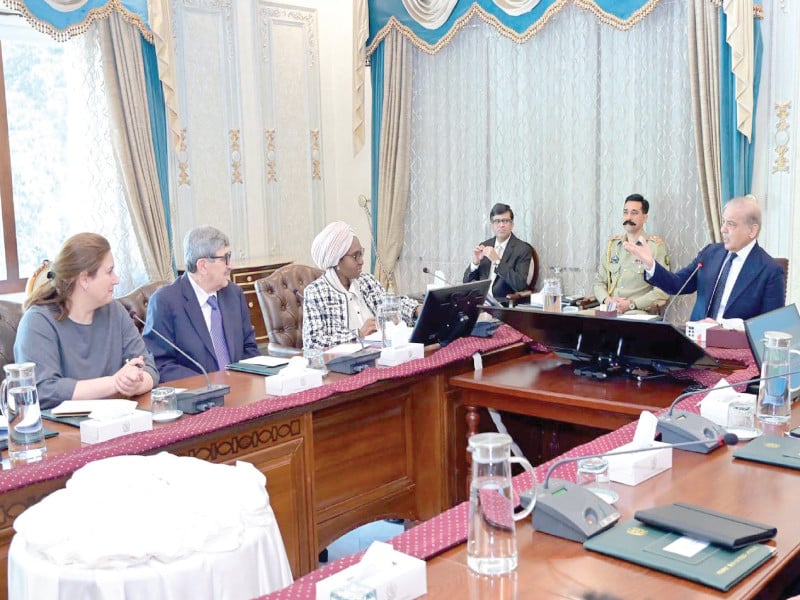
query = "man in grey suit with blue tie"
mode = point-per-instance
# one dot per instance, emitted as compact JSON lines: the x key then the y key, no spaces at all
{"x":201,"y":312}
{"x":733,"y":279}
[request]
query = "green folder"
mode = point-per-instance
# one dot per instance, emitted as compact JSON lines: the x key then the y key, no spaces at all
{"x":711,"y":565}
{"x":772,"y":449}
{"x":256,"y":369}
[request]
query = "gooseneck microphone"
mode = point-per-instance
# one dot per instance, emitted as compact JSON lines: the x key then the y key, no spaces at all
{"x":700,"y":434}
{"x":201,"y":399}
{"x":568,"y":510}
{"x":487,"y":298}
{"x":683,"y":287}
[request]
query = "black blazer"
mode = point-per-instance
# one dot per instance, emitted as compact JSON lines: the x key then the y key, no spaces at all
{"x":511,"y":275}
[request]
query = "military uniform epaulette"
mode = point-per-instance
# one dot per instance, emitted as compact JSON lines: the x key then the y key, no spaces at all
{"x":615,"y":238}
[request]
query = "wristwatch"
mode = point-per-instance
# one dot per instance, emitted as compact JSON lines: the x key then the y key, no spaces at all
{"x":631,"y":305}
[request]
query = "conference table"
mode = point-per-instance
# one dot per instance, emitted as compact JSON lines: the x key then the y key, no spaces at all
{"x":551,"y":567}
{"x":387,"y":442}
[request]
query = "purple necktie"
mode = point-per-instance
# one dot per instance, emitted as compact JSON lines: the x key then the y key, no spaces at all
{"x":218,"y":334}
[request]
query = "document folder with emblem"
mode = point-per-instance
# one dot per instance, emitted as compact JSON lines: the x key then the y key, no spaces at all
{"x":729,"y":531}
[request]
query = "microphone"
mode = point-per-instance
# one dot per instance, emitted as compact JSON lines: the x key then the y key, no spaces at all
{"x":685,"y":283}
{"x":568,"y":510}
{"x":487,"y":298}
{"x":699,"y":433}
{"x":193,"y":401}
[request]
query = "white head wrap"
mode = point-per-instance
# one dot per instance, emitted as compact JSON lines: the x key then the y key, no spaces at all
{"x":331,"y":244}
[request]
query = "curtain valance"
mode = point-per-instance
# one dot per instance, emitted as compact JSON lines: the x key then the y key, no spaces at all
{"x":63,"y":19}
{"x":431,"y":24}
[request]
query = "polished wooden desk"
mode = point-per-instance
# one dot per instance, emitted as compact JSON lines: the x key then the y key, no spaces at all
{"x":544,"y":386}
{"x":391,"y":449}
{"x":551,"y":567}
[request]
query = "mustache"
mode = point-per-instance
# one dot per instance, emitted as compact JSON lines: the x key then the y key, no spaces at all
{"x":629,"y":222}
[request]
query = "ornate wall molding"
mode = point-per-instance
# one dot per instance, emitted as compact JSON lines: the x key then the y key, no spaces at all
{"x":782,"y":138}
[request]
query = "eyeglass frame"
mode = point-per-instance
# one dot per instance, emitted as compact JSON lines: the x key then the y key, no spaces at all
{"x":502,"y":221}
{"x":356,"y":256}
{"x":226,"y":257}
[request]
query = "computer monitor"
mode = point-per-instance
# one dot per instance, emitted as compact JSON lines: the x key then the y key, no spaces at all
{"x":449,"y":312}
{"x":623,"y":344}
{"x":786,"y":319}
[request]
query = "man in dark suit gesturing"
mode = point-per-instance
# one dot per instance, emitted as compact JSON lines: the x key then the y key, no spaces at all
{"x":737,"y":279}
{"x":201,"y":312}
{"x":505,"y":258}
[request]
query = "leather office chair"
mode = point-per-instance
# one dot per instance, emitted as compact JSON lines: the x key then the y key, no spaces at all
{"x":136,"y":301}
{"x":10,"y":315}
{"x":784,"y":263}
{"x":533,"y":277}
{"x":280,"y":296}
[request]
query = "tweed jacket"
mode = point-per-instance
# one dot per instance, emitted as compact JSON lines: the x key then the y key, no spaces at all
{"x":325,"y":310}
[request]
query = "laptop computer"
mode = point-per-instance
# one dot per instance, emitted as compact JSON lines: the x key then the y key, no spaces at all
{"x":786,"y":319}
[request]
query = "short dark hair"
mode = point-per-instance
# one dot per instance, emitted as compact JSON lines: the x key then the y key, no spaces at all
{"x":501,"y":209}
{"x":638,"y":198}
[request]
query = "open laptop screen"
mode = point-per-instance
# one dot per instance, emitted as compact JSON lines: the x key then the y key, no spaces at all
{"x":786,"y":319}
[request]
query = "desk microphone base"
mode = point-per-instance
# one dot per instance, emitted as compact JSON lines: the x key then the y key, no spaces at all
{"x":682,"y":427}
{"x":196,"y":401}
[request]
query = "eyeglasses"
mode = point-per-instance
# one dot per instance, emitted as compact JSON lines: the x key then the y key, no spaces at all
{"x":356,"y":256}
{"x":226,"y":257}
{"x":501,"y":221}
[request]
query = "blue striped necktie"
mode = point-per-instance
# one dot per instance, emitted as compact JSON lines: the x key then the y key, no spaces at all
{"x":719,"y":289}
{"x":218,"y":334}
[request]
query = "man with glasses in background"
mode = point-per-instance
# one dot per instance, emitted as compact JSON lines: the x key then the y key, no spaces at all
{"x":201,"y":312}
{"x":505,"y":259}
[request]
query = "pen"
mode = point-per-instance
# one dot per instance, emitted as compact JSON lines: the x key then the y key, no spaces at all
{"x":137,"y":365}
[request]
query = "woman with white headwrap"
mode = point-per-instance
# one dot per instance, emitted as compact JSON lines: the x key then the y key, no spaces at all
{"x":341,"y":305}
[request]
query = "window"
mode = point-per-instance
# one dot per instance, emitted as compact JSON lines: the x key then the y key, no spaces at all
{"x":59,"y":174}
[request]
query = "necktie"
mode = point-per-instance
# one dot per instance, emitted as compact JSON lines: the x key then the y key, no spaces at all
{"x":218,"y":334}
{"x":499,"y":249}
{"x":719,"y":289}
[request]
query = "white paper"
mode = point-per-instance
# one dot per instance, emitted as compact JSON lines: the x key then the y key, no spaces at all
{"x":343,"y":349}
{"x":84,"y":407}
{"x":375,"y":336}
{"x":735,"y":324}
{"x":686,"y":546}
{"x":638,"y":317}
{"x":265,"y":361}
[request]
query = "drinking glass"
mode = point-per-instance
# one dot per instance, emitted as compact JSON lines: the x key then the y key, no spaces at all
{"x":741,"y":419}
{"x":316,"y":359}
{"x":164,"y":404}
{"x":552,"y":295}
{"x":593,"y":475}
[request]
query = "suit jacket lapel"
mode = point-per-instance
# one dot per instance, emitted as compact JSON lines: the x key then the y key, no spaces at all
{"x":195,"y":315}
{"x":228,"y":312}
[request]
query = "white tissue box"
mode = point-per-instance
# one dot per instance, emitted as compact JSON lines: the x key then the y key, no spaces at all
{"x":715,"y":407}
{"x":398,"y":355}
{"x":697,"y":331}
{"x":633,"y":469}
{"x":94,"y":431}
{"x":404,"y":579}
{"x":285,"y":383}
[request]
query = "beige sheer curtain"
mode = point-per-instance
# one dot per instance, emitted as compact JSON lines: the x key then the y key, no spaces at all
{"x":395,"y":150}
{"x":123,"y":71}
{"x":703,"y":33}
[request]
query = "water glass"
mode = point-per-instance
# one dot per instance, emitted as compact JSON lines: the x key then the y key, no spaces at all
{"x":741,"y":419}
{"x":164,"y":404}
{"x":19,"y":401}
{"x":315,"y":359}
{"x":552,"y":295}
{"x":593,"y":475}
{"x":388,"y":317}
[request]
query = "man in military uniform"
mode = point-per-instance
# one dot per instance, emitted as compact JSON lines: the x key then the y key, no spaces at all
{"x":620,"y":276}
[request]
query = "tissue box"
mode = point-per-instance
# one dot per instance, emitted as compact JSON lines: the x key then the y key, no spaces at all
{"x":404,"y":579}
{"x":715,"y":408}
{"x":285,"y":383}
{"x":95,"y":430}
{"x":719,"y":337}
{"x":606,"y":314}
{"x":398,"y":355}
{"x":632,"y":469}
{"x":697,"y":331}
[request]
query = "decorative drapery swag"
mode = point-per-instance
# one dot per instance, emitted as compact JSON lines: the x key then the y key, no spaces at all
{"x":64,"y":19}
{"x":431,"y":24}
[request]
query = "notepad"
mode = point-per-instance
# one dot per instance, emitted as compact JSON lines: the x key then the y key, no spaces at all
{"x":82,"y":408}
{"x":266,"y":361}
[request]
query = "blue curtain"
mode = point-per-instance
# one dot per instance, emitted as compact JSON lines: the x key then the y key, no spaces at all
{"x":380,"y":11}
{"x":376,"y":74}
{"x":158,"y":128}
{"x":736,"y":153}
